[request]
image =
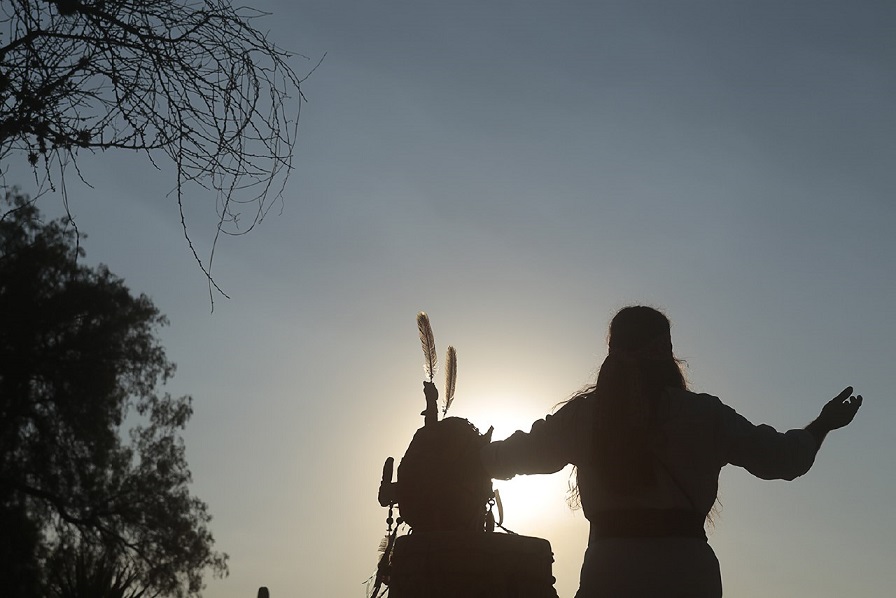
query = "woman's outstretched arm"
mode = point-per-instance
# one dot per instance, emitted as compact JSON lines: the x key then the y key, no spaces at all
{"x":548,"y":447}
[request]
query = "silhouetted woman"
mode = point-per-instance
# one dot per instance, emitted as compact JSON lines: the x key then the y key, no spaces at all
{"x":648,"y":454}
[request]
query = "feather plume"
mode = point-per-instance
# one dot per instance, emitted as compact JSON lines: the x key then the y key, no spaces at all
{"x":429,"y":345}
{"x":450,"y":377}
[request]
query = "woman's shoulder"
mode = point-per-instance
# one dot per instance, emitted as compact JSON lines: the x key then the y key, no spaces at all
{"x":578,"y":405}
{"x":684,"y":394}
{"x":686,"y":401}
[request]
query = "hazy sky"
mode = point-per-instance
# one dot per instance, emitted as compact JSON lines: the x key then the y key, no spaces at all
{"x":520,"y":171}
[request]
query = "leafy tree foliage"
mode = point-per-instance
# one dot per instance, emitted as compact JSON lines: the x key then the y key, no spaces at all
{"x":91,"y":458}
{"x":86,"y":573}
{"x":189,"y":80}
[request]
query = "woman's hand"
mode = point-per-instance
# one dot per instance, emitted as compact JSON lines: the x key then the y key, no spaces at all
{"x":840,"y":410}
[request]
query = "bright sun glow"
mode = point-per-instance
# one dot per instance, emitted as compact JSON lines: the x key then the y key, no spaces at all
{"x":531,"y":503}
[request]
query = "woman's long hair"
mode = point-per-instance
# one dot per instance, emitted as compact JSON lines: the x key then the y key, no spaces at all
{"x":639,"y":366}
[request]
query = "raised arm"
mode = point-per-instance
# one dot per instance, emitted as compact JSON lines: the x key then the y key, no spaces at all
{"x":769,"y":454}
{"x":550,"y":445}
{"x":837,"y":413}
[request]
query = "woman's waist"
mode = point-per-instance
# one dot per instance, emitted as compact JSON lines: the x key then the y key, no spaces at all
{"x":647,"y":523}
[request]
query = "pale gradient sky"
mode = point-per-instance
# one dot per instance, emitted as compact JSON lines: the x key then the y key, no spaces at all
{"x":520,"y":171}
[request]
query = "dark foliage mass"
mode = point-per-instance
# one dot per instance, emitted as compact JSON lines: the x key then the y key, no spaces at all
{"x":192,"y":81}
{"x":94,"y":484}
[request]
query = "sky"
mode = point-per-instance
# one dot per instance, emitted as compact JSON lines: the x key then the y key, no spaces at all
{"x":520,"y":171}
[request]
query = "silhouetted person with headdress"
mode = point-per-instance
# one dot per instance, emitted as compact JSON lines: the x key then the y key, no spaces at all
{"x":648,"y":454}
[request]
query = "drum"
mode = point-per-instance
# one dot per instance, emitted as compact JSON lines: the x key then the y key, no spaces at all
{"x":471,"y":565}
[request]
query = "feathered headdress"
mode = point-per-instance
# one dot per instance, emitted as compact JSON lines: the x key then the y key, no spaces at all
{"x":450,"y":377}
{"x":429,"y":345}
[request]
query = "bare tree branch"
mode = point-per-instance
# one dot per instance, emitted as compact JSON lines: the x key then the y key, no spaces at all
{"x":191,"y":80}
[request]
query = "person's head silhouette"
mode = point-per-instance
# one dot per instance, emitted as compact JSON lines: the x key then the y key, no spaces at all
{"x":643,"y":329}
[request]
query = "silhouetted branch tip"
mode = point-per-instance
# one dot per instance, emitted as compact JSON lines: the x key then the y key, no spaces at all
{"x":191,"y":80}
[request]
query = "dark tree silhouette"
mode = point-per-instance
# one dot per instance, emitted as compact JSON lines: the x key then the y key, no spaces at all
{"x":191,"y":80}
{"x":86,"y":571}
{"x":91,"y":457}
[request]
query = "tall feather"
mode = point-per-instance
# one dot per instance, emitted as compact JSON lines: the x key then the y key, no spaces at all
{"x":429,"y":345}
{"x":450,"y":377}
